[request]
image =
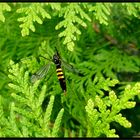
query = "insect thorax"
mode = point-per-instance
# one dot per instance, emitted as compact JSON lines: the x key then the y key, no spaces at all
{"x":56,"y":59}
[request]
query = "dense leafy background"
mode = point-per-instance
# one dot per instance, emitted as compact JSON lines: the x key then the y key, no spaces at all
{"x":101,"y":40}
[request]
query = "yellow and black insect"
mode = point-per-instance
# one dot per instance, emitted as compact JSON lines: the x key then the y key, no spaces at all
{"x":57,"y":61}
{"x":61,"y":78}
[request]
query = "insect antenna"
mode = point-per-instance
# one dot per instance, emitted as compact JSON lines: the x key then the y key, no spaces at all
{"x":57,"y":51}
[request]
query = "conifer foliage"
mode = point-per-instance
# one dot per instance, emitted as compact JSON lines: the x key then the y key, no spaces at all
{"x":99,"y":47}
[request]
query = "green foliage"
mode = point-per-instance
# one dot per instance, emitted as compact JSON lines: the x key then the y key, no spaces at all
{"x":31,"y":13}
{"x":102,"y":12}
{"x":70,"y":14}
{"x":4,"y":7}
{"x":103,"y":111}
{"x":132,"y":9}
{"x":100,"y":40}
{"x":31,"y":121}
{"x":120,"y":61}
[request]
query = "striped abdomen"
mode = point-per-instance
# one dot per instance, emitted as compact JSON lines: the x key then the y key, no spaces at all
{"x":61,"y":77}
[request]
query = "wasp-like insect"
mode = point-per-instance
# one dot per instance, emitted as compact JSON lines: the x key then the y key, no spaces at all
{"x":57,"y":61}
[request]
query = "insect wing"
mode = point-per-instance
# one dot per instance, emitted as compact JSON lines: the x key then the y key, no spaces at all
{"x":71,"y":68}
{"x":40,"y":73}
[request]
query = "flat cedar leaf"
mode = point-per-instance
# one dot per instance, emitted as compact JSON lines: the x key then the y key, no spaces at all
{"x":32,"y":14}
{"x":69,"y":23}
{"x":4,"y":7}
